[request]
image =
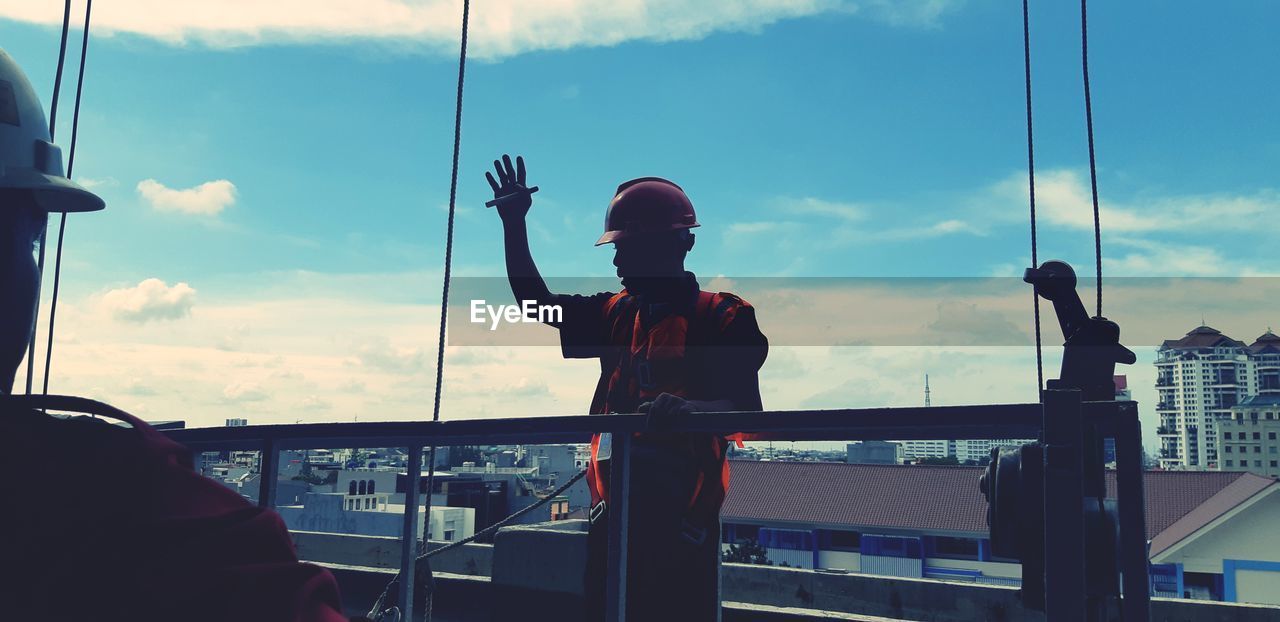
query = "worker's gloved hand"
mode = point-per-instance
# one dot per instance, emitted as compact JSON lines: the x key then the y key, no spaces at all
{"x":663,"y":411}
{"x":510,"y":181}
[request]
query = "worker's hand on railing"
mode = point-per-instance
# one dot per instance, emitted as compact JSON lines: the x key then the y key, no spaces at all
{"x":664,"y":409}
{"x":510,"y":193}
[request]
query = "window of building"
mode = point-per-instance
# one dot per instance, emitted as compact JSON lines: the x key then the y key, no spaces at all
{"x":839,"y":540}
{"x":1273,"y":464}
{"x":1257,"y":449}
{"x":890,"y":546}
{"x":371,"y":486}
{"x":1226,"y":435}
{"x":1271,"y":436}
{"x":1228,"y":448}
{"x":363,"y":487}
{"x":1230,"y":463}
{"x":351,"y":487}
{"x":746,"y":532}
{"x":790,"y":539}
{"x":448,"y":535}
{"x":954,"y":548}
{"x":1257,"y":436}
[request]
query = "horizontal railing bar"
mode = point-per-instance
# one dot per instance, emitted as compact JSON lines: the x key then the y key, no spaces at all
{"x":954,"y":422}
{"x":980,"y":421}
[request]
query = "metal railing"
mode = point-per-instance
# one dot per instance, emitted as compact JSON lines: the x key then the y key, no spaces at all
{"x":1113,"y":419}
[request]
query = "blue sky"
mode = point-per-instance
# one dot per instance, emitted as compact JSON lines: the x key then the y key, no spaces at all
{"x":816,"y":138}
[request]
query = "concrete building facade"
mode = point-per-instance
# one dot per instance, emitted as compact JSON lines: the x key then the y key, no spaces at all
{"x":874,"y":452}
{"x":1199,"y":378}
{"x":372,"y":515}
{"x":914,"y":450}
{"x":1249,"y":440}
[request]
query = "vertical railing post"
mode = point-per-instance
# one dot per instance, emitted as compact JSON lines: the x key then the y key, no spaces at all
{"x":1064,"y":541}
{"x":619,"y":515}
{"x":268,"y":472}
{"x":409,"y":539}
{"x":1136,"y":603}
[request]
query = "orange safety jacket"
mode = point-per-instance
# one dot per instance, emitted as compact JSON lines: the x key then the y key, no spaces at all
{"x":664,"y":359}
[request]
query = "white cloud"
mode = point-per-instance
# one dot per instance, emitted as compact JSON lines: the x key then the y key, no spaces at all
{"x":91,"y":183}
{"x":952,"y":226}
{"x":936,"y":230}
{"x":848,"y":212}
{"x":748,"y":228}
{"x":1147,"y":258}
{"x":380,"y":354}
{"x":964,"y":324}
{"x":1063,"y":198}
{"x":207,"y":199}
{"x":135,"y":386}
{"x":499,"y":28}
{"x":244,"y":391}
{"x":315,"y":402}
{"x":899,"y":13}
{"x":152,"y":299}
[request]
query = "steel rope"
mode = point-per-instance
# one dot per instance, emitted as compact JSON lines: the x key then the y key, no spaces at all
{"x":377,"y":605}
{"x":1093,"y":167}
{"x":53,"y":126}
{"x":1031,"y":180}
{"x":448,"y":264}
{"x":62,"y":223}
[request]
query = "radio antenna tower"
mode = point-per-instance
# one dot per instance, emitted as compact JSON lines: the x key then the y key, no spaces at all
{"x":926,"y":390}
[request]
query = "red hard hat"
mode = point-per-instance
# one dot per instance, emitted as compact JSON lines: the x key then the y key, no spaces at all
{"x":647,"y":205}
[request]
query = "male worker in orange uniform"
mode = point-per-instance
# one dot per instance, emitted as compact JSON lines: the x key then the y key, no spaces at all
{"x":665,"y":348}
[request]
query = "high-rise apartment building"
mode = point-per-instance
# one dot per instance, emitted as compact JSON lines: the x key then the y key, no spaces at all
{"x":1199,"y":378}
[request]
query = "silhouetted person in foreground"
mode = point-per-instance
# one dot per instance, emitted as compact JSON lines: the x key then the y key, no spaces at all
{"x":102,"y":521}
{"x":665,"y":348}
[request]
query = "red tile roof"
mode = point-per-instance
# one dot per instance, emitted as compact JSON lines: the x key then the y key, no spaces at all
{"x":853,"y":496}
{"x":863,"y":497}
{"x":1202,"y":337}
{"x":1267,"y":343}
{"x":1122,"y":382}
{"x":1238,"y":491}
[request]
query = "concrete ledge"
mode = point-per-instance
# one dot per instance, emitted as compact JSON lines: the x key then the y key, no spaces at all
{"x":745,"y":612}
{"x":540,"y":563}
{"x":543,"y":564}
{"x":384,"y":552}
{"x":925,"y":600}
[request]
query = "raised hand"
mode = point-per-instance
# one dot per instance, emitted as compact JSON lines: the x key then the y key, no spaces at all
{"x":510,"y":193}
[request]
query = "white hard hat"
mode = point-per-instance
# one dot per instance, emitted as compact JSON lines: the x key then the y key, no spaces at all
{"x":28,"y":161}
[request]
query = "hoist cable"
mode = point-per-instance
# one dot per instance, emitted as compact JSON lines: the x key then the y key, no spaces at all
{"x":1031,"y":181}
{"x":53,"y":126}
{"x":377,"y":608}
{"x":1093,"y":166}
{"x":444,"y":297}
{"x":62,"y":223}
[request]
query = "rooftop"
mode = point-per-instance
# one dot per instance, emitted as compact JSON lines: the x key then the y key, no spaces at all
{"x":1267,"y":343}
{"x":1268,"y":399}
{"x":947,"y":499}
{"x":1202,"y":337}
